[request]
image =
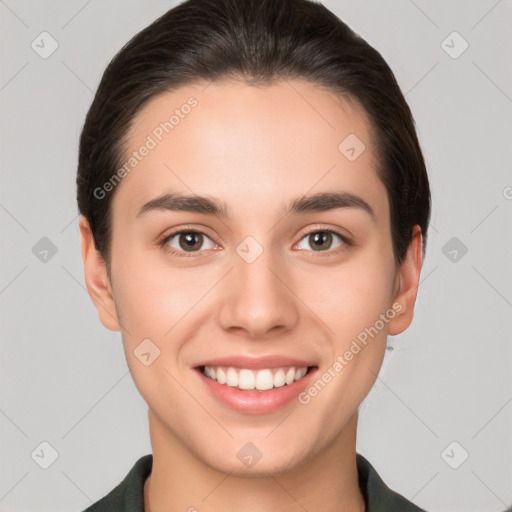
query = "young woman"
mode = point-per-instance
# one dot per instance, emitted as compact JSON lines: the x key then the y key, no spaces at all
{"x":254,"y":209}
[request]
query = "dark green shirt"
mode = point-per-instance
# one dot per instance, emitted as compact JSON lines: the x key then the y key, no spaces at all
{"x":128,"y":496}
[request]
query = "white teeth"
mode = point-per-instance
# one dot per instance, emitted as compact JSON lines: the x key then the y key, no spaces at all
{"x":246,"y":379}
{"x":221,"y":375}
{"x":300,"y":373}
{"x":262,"y":380}
{"x":232,"y":378}
{"x":279,"y":379}
{"x":290,"y":376}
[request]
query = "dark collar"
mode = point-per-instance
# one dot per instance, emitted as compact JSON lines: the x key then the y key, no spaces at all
{"x":128,"y":496}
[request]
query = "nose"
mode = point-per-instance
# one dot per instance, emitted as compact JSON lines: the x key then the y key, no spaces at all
{"x":258,"y":300}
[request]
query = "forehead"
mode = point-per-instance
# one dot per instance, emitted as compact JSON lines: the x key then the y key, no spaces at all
{"x":250,"y":145}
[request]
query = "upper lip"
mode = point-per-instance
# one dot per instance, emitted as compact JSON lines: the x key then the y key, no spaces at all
{"x":275,"y":361}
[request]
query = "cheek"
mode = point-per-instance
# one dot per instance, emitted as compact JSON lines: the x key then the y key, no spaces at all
{"x":352,"y":297}
{"x":152,"y":296}
{"x":155,"y":305}
{"x":158,"y":311}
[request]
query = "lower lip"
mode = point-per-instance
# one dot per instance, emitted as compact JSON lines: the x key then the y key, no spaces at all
{"x":256,"y":402}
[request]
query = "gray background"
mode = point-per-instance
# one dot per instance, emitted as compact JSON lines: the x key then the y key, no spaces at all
{"x":64,"y":378}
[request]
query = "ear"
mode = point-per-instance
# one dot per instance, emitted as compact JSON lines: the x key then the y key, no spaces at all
{"x":97,"y":279}
{"x":406,"y":284}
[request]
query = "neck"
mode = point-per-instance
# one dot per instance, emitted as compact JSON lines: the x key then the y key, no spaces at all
{"x":179,"y":480}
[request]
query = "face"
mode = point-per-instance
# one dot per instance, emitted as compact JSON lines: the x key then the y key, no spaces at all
{"x":214,"y":271}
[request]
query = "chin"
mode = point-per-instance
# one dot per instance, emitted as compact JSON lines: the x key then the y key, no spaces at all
{"x":276,"y":464}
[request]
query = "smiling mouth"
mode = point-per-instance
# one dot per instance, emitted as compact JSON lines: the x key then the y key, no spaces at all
{"x":255,"y":380}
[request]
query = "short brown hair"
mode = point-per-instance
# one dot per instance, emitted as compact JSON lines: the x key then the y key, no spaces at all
{"x":259,"y":41}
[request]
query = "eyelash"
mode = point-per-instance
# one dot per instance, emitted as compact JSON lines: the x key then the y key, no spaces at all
{"x":183,"y":254}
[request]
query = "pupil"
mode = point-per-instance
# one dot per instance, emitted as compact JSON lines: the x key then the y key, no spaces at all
{"x":320,"y":237}
{"x":189,"y":240}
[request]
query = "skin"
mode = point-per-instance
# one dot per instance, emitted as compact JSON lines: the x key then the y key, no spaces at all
{"x":256,"y":148}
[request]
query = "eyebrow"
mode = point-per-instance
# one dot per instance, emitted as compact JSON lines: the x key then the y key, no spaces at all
{"x":322,"y":201}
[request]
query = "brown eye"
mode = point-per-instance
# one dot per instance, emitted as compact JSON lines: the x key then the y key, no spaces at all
{"x":322,"y":240}
{"x":188,"y":241}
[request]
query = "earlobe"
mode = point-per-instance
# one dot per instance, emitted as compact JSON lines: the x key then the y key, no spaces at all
{"x":406,"y":284}
{"x":97,"y":279}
